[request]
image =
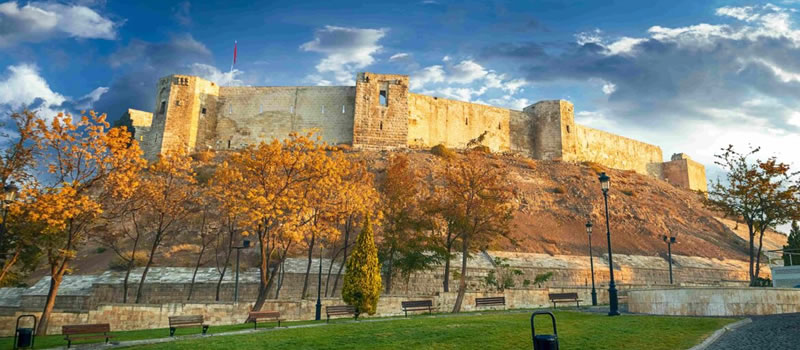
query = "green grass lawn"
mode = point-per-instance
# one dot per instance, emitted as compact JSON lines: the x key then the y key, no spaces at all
{"x":497,"y":330}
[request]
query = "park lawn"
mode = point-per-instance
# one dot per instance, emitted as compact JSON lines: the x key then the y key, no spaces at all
{"x":52,"y":341}
{"x":502,"y":330}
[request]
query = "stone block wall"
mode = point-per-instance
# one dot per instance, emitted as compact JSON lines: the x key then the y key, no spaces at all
{"x":618,"y":152}
{"x":381,"y":111}
{"x":250,"y":115}
{"x":434,"y":120}
{"x":714,"y":301}
{"x":682,"y":171}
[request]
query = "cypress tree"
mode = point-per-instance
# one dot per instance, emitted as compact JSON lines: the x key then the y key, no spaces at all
{"x":362,"y":280}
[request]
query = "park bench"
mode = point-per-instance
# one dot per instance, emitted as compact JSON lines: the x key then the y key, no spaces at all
{"x":86,"y":331}
{"x":564,"y":298}
{"x":254,"y":316}
{"x":417,"y":305}
{"x":176,"y":322}
{"x":491,"y":301}
{"x":339,"y":310}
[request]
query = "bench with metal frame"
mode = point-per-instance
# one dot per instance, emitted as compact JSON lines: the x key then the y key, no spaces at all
{"x":254,"y":316}
{"x":176,"y":322}
{"x":490,"y":301}
{"x":417,"y":305}
{"x":86,"y":331}
{"x":564,"y":298}
{"x":339,"y":310}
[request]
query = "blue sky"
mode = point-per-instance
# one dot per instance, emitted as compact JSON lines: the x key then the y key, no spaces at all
{"x":690,"y":76}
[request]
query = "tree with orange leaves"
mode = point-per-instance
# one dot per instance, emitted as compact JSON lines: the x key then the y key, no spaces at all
{"x":85,"y":161}
{"x":17,"y":161}
{"x":482,"y":210}
{"x":167,"y":192}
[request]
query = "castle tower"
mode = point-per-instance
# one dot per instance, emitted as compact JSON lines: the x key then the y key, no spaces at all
{"x":185,"y":105}
{"x":554,"y":130}
{"x":381,"y":111}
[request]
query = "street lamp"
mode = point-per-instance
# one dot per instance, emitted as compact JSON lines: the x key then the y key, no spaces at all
{"x":605,"y":183}
{"x":591,"y":262}
{"x":318,"y":315}
{"x":245,"y":245}
{"x":9,"y":195}
{"x":670,"y":241}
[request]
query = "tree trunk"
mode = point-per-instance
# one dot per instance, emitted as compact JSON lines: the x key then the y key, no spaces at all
{"x":8,"y":264}
{"x":462,"y":284}
{"x":758,"y":255}
{"x":752,"y":251}
{"x":389,"y":270}
{"x":280,"y":279}
{"x":55,"y":282}
{"x":308,"y":268}
{"x":196,"y":267}
{"x":156,"y":243}
{"x":225,"y":266}
{"x":344,"y":259}
{"x":266,"y":278}
{"x":446,"y":283}
{"x":131,"y":264}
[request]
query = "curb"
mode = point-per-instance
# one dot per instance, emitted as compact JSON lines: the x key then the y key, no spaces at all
{"x":718,"y":333}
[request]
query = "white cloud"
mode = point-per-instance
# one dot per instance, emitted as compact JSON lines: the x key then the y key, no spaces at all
{"x":399,"y":56}
{"x":211,"y":73}
{"x":347,"y":50}
{"x":466,"y":72}
{"x":744,"y":13}
{"x":88,"y":100}
{"x":23,"y":86}
{"x":431,"y":74}
{"x":508,"y":101}
{"x":609,"y":88}
{"x":794,"y":119}
{"x":38,"y":21}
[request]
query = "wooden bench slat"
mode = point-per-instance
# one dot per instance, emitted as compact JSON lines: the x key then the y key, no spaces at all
{"x":490,"y":301}
{"x":254,"y":316}
{"x":416,"y":305}
{"x":185,"y":322}
{"x":564,"y":298}
{"x":86,"y":331}
{"x":336,"y":310}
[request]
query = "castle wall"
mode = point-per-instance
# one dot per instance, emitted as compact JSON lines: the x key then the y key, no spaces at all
{"x":249,"y":115}
{"x":617,"y":152}
{"x":433,"y":121}
{"x":552,"y":123}
{"x":684,"y":172}
{"x":381,"y":111}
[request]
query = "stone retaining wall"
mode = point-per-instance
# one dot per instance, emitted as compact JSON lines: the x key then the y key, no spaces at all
{"x":714,"y":301}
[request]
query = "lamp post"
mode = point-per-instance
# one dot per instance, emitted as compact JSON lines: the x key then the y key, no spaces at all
{"x":591,"y":262}
{"x":318,"y":315}
{"x":245,"y":245}
{"x":9,"y":195}
{"x":605,"y":183}
{"x":670,"y":241}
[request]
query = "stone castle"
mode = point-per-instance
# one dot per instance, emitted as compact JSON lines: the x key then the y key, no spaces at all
{"x":380,"y":113}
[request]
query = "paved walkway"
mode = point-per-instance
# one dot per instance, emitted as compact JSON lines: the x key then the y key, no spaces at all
{"x":775,"y":332}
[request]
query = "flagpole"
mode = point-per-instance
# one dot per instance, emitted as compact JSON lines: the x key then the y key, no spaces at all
{"x":233,"y":62}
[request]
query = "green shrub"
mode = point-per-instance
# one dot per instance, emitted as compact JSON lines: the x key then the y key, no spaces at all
{"x":542,"y":278}
{"x":442,"y":151}
{"x":100,"y":250}
{"x":362,"y":278}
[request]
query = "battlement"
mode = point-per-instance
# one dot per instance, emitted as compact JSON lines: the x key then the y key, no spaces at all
{"x":379,"y":112}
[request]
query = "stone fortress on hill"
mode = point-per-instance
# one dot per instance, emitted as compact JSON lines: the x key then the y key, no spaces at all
{"x":380,"y":113}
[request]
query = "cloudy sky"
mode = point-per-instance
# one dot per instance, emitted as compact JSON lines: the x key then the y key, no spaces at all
{"x":690,"y":76}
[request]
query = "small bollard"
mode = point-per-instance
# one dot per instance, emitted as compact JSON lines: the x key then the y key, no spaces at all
{"x":544,"y":341}
{"x":23,"y":337}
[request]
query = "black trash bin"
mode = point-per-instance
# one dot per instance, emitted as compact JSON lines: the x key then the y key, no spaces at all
{"x":23,"y":337}
{"x":544,"y":341}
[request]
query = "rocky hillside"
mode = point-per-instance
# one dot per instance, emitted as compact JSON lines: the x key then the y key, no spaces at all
{"x":557,"y":198}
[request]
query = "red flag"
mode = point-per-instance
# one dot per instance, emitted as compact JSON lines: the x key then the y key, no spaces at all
{"x":234,"y":51}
